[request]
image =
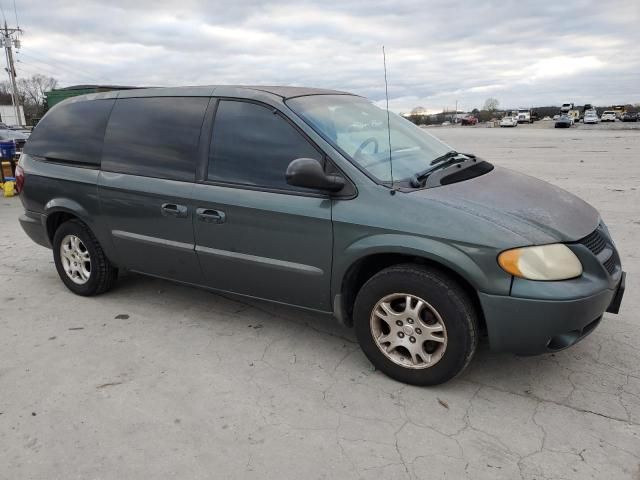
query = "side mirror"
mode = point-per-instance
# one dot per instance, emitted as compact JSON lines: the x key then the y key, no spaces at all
{"x":308,"y":173}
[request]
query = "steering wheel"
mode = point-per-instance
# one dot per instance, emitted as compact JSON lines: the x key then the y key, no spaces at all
{"x":364,"y":145}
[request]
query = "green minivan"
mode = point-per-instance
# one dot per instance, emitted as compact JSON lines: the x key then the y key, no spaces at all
{"x":320,"y":200}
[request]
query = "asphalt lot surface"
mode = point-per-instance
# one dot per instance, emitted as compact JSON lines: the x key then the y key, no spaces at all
{"x":156,"y":380}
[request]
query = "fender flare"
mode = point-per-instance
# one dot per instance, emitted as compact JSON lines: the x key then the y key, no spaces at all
{"x":435,"y":251}
{"x":65,"y":205}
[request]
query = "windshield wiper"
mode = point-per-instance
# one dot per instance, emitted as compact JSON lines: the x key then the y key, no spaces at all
{"x":437,"y":163}
{"x":442,"y":158}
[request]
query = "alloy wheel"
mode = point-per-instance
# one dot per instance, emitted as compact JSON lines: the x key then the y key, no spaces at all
{"x":76,"y":261}
{"x":408,"y":331}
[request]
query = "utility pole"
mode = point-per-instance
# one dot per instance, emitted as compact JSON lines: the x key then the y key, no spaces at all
{"x":8,"y":42}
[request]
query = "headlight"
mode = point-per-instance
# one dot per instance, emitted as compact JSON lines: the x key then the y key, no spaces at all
{"x":546,"y":262}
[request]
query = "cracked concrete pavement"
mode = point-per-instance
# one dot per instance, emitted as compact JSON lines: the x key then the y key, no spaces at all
{"x":156,"y":380}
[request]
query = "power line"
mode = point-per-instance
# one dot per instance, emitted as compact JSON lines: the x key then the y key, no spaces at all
{"x":57,"y":65}
{"x":38,"y":68}
{"x":54,"y":68}
{"x":34,"y":69}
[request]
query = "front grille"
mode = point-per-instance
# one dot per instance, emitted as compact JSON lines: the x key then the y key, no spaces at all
{"x":595,"y":242}
{"x":610,"y":264}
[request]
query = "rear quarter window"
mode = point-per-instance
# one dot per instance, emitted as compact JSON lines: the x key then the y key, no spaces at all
{"x":154,"y":137}
{"x":71,"y":132}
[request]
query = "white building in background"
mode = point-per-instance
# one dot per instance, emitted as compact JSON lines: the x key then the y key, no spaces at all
{"x":8,"y":115}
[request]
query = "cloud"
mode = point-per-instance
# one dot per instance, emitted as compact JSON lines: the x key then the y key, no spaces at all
{"x":439,"y":52}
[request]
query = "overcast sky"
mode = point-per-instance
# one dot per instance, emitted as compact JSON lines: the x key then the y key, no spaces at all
{"x":524,"y":53}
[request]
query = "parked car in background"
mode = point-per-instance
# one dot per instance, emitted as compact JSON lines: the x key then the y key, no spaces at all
{"x":566,"y":107}
{"x":509,"y":122}
{"x":608,"y":116}
{"x":591,"y":116}
{"x":585,"y":108}
{"x":469,"y":120}
{"x":556,"y":117}
{"x":24,"y":130}
{"x":15,"y":136}
{"x":619,"y":110}
{"x":565,"y":121}
{"x":629,"y":117}
{"x":269,"y":193}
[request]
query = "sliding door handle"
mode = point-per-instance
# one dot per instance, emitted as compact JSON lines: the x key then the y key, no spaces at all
{"x":210,"y":216}
{"x":173,"y":210}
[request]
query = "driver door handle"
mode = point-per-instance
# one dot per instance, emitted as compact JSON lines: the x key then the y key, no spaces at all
{"x":210,"y":216}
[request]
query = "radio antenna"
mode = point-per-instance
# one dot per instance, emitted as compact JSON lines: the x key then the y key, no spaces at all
{"x":386,"y":94}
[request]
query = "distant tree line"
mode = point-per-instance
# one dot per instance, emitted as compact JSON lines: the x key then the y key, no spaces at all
{"x":491,"y":111}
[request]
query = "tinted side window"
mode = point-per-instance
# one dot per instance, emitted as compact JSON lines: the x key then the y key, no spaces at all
{"x":72,"y":132}
{"x":252,"y":145}
{"x":154,"y":137}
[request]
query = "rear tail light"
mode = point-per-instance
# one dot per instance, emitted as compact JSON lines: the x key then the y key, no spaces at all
{"x":19,"y":179}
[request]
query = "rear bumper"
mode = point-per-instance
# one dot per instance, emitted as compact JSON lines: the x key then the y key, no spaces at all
{"x":530,"y":326}
{"x":33,"y":225}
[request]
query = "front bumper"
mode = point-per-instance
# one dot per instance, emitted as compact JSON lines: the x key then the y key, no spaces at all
{"x":532,"y":326}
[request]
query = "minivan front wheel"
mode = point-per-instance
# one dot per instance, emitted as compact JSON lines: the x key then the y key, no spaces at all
{"x":416,"y":324}
{"x":80,"y":261}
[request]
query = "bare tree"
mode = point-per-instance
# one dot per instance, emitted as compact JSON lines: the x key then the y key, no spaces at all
{"x":5,"y":93}
{"x":491,"y":104}
{"x":33,"y":89}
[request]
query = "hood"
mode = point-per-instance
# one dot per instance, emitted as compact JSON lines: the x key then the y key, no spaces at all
{"x":535,"y":210}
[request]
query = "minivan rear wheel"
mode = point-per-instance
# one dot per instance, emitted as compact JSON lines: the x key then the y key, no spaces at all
{"x":416,"y":324}
{"x":80,"y":261}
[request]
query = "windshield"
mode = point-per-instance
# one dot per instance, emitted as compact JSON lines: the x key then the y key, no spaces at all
{"x":358,"y":128}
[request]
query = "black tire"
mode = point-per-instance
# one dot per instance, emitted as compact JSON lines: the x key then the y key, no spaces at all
{"x":103,"y":274}
{"x":445,"y":295}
